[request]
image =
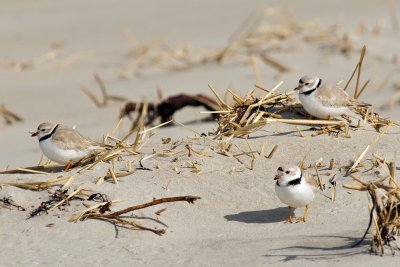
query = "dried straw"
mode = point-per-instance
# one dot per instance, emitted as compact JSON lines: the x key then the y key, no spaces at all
{"x":37,"y":186}
{"x":8,"y":115}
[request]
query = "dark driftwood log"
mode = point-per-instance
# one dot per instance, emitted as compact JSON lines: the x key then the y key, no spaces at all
{"x":166,"y":108}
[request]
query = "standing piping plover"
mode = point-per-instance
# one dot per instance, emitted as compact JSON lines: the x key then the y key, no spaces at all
{"x":294,"y":189}
{"x":63,"y":144}
{"x":324,"y":100}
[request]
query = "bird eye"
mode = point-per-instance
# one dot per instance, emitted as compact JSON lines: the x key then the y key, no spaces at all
{"x":287,"y":172}
{"x":42,"y":130}
{"x":307,"y":83}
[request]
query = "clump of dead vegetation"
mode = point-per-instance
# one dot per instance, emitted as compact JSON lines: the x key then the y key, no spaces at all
{"x":261,"y":34}
{"x":384,"y":195}
{"x":250,"y":113}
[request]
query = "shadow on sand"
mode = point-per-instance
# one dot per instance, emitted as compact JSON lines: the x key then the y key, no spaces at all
{"x":322,"y":248}
{"x":260,"y":216}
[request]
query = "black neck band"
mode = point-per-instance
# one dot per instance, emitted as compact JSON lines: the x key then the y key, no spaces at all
{"x":49,"y":135}
{"x":293,"y":182}
{"x":309,"y":92}
{"x":296,"y":181}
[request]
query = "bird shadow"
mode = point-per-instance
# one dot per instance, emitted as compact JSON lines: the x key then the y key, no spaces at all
{"x":324,"y":247}
{"x":259,"y":216}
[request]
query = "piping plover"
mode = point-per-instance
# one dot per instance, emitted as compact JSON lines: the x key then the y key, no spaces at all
{"x":63,"y":144}
{"x":324,"y":100}
{"x":294,"y":189}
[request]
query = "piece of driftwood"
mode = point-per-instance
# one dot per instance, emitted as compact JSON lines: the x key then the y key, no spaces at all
{"x":118,"y":218}
{"x":167,"y":107}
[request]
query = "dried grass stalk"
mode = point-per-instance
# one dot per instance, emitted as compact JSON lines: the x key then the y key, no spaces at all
{"x":248,"y":113}
{"x":37,"y":186}
{"x":105,"y":96}
{"x":8,"y":115}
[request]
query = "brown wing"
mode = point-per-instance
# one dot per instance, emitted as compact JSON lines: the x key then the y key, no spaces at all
{"x":68,"y":138}
{"x":334,"y":96}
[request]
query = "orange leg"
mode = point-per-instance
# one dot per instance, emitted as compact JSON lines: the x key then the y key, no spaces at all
{"x":69,"y":164}
{"x":303,"y":219}
{"x":290,"y":219}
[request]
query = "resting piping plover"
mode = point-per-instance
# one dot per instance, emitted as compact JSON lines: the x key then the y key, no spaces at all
{"x":63,"y":144}
{"x":324,"y":100}
{"x":294,"y":189}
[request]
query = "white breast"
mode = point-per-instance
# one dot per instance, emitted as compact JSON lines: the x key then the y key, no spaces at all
{"x":60,"y":155}
{"x":315,"y":108}
{"x":295,"y":196}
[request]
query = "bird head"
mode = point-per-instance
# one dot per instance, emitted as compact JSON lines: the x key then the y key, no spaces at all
{"x":44,"y":129}
{"x":308,"y":83}
{"x":286,"y":174}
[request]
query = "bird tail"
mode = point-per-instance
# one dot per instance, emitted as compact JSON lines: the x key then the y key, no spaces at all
{"x":101,"y":146}
{"x":359,"y":103}
{"x":364,"y":104}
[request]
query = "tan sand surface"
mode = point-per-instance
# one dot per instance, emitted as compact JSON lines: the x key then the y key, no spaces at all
{"x":239,"y":219}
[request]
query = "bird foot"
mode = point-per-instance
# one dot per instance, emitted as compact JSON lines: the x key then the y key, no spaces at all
{"x":289,"y":220}
{"x":68,"y":166}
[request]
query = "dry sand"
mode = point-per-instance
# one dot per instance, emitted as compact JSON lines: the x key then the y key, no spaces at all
{"x":239,"y":220}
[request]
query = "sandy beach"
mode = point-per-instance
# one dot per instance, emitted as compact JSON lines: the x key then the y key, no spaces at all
{"x":50,"y":52}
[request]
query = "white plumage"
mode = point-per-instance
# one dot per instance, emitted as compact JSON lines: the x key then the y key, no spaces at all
{"x":63,"y":156}
{"x":294,"y":189}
